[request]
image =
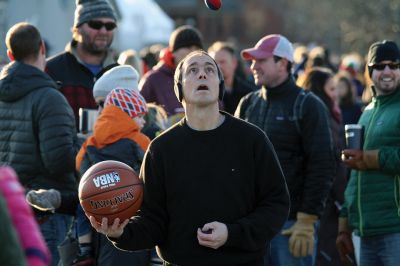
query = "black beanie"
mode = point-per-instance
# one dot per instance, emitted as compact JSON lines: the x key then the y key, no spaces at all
{"x":87,"y":10}
{"x":185,"y":36}
{"x":382,"y":51}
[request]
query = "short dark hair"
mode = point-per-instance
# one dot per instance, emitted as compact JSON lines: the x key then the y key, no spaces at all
{"x":288,"y":66}
{"x":24,"y":41}
{"x":217,"y":46}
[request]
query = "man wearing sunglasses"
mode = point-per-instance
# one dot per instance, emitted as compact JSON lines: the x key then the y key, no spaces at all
{"x":87,"y":56}
{"x":372,"y":197}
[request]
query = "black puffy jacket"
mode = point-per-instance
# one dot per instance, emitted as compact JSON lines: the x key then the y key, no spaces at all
{"x":37,"y":130}
{"x":304,"y":147}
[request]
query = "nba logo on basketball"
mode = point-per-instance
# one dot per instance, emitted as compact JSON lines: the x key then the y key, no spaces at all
{"x":106,"y":180}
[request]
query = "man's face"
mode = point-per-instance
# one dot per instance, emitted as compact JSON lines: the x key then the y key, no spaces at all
{"x":267,"y":72}
{"x":386,"y":77}
{"x":200,"y":81}
{"x":96,"y":40}
{"x":226,"y":62}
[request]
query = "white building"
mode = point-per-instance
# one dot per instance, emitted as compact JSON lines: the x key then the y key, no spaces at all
{"x":141,"y":22}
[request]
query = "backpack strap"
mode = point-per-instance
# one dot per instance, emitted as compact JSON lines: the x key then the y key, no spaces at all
{"x":298,"y":108}
{"x":251,"y":103}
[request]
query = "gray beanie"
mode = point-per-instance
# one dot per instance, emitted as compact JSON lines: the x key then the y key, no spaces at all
{"x":87,"y":10}
{"x":124,"y":76}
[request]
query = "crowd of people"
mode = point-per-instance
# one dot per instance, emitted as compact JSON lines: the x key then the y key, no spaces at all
{"x":237,"y":169}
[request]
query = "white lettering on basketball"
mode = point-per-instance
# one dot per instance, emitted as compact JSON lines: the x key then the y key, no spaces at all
{"x":107,"y":179}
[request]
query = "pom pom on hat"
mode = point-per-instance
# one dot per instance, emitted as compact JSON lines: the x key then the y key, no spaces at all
{"x":87,"y":10}
{"x":129,"y":101}
{"x":124,"y":76}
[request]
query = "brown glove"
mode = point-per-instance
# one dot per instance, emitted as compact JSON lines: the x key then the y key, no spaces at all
{"x":361,"y":160}
{"x":301,"y":241}
{"x":344,"y":243}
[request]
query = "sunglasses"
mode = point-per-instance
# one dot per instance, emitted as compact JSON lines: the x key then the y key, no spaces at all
{"x":392,"y":66}
{"x":97,"y":25}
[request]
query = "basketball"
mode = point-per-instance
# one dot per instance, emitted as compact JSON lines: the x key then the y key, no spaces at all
{"x":110,"y":189}
{"x":213,"y":4}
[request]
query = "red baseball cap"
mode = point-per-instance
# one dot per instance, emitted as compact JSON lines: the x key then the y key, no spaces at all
{"x":270,"y":45}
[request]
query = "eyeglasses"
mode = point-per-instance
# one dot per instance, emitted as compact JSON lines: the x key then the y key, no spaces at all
{"x":97,"y":25}
{"x":392,"y":66}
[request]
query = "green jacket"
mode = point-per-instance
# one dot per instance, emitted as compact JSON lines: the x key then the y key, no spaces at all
{"x":11,"y":252}
{"x":372,"y":197}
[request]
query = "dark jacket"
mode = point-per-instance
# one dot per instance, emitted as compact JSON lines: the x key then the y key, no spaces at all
{"x":111,"y":134}
{"x":75,"y":79}
{"x":126,"y":151}
{"x":328,"y":229}
{"x":37,"y":131}
{"x":306,"y":153}
{"x":241,"y":87}
{"x":229,"y":174}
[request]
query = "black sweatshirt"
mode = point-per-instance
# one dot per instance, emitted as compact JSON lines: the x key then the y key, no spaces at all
{"x":230,"y":174}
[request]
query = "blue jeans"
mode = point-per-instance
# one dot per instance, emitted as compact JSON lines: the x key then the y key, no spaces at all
{"x":54,"y":231}
{"x":380,"y":250}
{"x":83,"y":226}
{"x":279,"y":255}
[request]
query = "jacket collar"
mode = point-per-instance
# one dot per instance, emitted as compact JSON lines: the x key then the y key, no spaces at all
{"x":71,"y":48}
{"x":281,"y":89}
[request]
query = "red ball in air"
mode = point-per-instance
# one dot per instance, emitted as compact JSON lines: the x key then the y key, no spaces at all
{"x":213,"y":4}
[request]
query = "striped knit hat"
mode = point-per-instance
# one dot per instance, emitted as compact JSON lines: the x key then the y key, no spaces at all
{"x":129,"y":101}
{"x":91,"y":9}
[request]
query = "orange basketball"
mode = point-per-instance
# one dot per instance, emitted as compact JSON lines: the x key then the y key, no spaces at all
{"x":110,"y":189}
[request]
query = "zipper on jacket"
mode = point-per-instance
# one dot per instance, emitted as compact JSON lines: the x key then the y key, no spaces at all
{"x":265,"y":111}
{"x":360,"y":217}
{"x":397,"y":193}
{"x":368,"y":130}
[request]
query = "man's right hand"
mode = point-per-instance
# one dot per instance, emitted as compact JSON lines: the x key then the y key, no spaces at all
{"x":113,"y":231}
{"x":344,"y":243}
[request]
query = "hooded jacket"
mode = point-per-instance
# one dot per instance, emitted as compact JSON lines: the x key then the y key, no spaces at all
{"x":37,"y":130}
{"x":116,"y":136}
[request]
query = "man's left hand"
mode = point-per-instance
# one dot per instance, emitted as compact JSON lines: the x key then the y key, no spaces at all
{"x":361,"y":160}
{"x":212,"y":235}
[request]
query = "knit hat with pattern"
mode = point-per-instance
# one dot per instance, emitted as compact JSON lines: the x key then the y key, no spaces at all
{"x":129,"y":101}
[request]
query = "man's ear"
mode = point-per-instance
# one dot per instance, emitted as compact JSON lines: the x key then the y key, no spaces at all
{"x":10,"y":55}
{"x":284,"y":62}
{"x":42,"y":48}
{"x":235,"y":62}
